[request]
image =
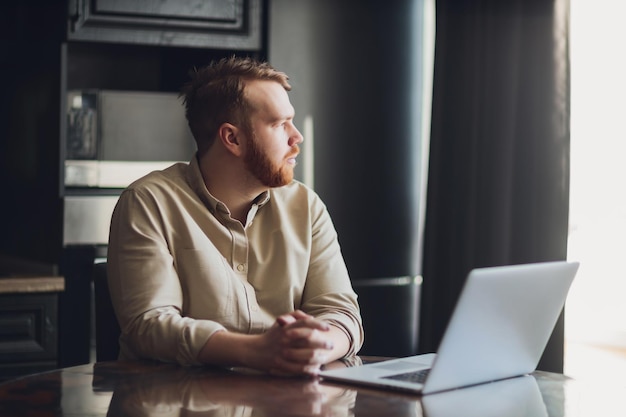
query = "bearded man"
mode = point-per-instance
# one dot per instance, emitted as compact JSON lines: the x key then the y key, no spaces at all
{"x":228,"y":260}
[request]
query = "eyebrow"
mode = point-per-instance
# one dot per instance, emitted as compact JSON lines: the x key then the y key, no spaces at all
{"x":285,"y":116}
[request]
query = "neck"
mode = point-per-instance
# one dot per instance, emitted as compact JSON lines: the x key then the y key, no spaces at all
{"x":228,"y":181}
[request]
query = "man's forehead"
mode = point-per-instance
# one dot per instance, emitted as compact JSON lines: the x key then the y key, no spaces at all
{"x":267,"y":95}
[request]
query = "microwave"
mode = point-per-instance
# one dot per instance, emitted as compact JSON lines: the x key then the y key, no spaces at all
{"x":115,"y":137}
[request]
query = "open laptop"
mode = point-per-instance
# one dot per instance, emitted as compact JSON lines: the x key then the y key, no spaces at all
{"x":499,"y":329}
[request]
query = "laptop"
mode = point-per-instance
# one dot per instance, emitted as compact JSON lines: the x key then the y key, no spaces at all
{"x":499,"y":329}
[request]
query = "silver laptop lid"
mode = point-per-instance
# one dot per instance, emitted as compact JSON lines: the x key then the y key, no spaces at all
{"x":501,"y":323}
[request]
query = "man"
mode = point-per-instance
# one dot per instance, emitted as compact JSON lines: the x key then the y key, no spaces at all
{"x":227,"y":260}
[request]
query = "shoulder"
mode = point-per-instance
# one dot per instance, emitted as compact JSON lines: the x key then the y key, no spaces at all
{"x":163,"y":188}
{"x":166,"y":179}
{"x":298,"y":199}
{"x":295,"y":192}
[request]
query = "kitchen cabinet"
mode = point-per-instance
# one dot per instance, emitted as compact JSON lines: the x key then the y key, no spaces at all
{"x":28,"y":325}
{"x":51,"y":47}
{"x":222,"y":24}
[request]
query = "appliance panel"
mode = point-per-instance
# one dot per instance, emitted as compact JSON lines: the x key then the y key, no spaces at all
{"x":143,"y":126}
{"x":109,"y":174}
{"x":86,"y":219}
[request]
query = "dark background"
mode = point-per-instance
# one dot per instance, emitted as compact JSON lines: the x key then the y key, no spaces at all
{"x":498,"y":165}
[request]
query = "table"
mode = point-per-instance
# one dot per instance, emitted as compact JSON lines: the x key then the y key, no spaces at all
{"x":155,"y":389}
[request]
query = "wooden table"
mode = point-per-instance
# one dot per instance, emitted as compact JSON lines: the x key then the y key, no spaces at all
{"x":155,"y":389}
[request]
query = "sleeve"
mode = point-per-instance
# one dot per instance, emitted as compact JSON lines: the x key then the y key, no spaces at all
{"x":328,"y":292}
{"x":145,"y":289}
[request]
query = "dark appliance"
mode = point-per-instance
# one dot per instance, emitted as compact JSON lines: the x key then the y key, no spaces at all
{"x":112,"y":138}
{"x":361,"y":74}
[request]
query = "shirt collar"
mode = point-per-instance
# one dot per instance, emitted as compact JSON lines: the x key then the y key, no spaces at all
{"x":196,"y":181}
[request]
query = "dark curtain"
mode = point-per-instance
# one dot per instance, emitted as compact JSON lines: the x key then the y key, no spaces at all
{"x":498,"y":185}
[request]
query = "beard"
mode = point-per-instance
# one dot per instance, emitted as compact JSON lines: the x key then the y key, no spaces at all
{"x":262,"y":168}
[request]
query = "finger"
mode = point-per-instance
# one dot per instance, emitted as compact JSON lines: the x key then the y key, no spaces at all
{"x":286,"y":319}
{"x":306,"y":337}
{"x":305,"y":357}
{"x":301,"y":315}
{"x":302,"y":344}
{"x":289,"y":318}
{"x":309,"y":323}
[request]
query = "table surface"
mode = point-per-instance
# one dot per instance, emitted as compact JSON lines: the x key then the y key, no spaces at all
{"x":31,"y":284}
{"x":156,"y":389}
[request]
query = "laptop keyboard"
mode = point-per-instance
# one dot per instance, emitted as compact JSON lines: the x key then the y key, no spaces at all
{"x":416,"y":376}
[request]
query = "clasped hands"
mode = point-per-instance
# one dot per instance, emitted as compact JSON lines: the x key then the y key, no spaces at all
{"x":298,"y":344}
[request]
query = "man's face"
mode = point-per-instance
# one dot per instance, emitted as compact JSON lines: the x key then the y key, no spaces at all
{"x":272,"y":145}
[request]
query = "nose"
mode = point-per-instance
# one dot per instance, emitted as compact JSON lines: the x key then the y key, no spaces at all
{"x":295,"y":137}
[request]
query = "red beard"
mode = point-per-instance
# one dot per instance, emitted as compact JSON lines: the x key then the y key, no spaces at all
{"x":261,"y":166}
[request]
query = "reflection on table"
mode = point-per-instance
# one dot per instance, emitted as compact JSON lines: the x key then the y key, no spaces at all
{"x":156,"y":389}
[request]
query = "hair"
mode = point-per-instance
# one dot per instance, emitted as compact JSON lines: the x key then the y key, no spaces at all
{"x":215,"y":95}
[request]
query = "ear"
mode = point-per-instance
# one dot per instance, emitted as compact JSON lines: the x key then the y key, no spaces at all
{"x":230,"y":137}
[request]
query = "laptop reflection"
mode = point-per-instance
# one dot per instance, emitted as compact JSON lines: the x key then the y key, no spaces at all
{"x":515,"y":397}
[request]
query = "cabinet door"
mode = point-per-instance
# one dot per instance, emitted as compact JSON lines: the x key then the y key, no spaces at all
{"x":219,"y":24}
{"x":28,"y":333}
{"x":29,"y":327}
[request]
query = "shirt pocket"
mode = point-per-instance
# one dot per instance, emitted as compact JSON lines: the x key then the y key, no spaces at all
{"x":207,"y":282}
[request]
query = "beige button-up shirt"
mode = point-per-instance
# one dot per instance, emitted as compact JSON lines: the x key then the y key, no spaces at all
{"x":180,"y":268}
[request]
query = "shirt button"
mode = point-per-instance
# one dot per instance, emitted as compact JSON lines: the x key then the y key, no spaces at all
{"x":241,"y":267}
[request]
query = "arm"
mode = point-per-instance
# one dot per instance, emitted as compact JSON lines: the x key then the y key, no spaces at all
{"x":328,"y":294}
{"x":146,"y":291}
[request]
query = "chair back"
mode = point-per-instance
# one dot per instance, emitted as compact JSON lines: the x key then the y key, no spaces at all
{"x":107,"y":328}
